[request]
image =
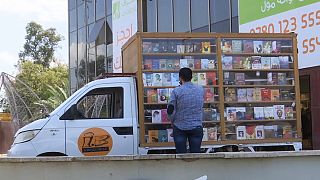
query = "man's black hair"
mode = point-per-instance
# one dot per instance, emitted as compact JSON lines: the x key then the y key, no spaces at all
{"x":185,"y":74}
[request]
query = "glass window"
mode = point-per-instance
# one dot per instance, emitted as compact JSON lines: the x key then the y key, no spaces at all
{"x":199,"y":16}
{"x":109,"y":62}
{"x":109,"y":30}
{"x":102,"y":103}
{"x":234,"y":15}
{"x":181,"y":15}
{"x":73,"y":49}
{"x":220,"y":15}
{"x":100,"y":9}
{"x":91,"y":64}
{"x":72,"y":20}
{"x":235,"y":24}
{"x":90,"y":11}
{"x":101,"y":58}
{"x":71,"y":4}
{"x":151,"y":17}
{"x":80,"y":2}
{"x":165,"y":16}
{"x":82,"y":57}
{"x":73,"y":79}
{"x":109,"y":7}
{"x":81,"y":16}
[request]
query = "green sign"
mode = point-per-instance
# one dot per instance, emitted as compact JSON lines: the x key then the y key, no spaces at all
{"x":250,"y":10}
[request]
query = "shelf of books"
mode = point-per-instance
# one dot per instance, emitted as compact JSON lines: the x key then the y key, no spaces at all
{"x":250,"y":84}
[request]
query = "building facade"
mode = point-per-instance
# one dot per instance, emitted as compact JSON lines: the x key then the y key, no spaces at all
{"x":90,"y":28}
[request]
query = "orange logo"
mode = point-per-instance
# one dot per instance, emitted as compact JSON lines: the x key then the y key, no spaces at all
{"x":95,"y":142}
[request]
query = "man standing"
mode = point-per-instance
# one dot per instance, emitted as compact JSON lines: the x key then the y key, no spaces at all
{"x":185,"y":112}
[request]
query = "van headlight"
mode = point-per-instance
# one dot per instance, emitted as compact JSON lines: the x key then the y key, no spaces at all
{"x":25,"y":136}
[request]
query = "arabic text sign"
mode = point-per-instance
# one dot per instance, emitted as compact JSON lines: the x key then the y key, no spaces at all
{"x":305,"y":21}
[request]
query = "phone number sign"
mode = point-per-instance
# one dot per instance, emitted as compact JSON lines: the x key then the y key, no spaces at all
{"x":305,"y":21}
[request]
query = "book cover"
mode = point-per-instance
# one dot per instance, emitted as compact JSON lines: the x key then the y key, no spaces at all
{"x":211,"y":78}
{"x":239,"y":79}
{"x":276,"y":46}
{"x":148,"y":115}
{"x":285,"y":95}
{"x":240,"y":113}
{"x":189,"y":47}
{"x":170,"y":92}
{"x":197,"y":47}
{"x":155,"y":64}
{"x":152,"y":96}
{"x":175,"y":79}
{"x":272,"y":78}
{"x":162,"y":136}
{"x":268,"y":112}
{"x":205,"y":134}
{"x":172,"y":47}
{"x":208,"y":94}
{"x":250,"y":132}
{"x":230,"y":94}
{"x":265,"y":94}
{"x":227,"y":62}
{"x":286,"y":46}
{"x":204,"y":63}
{"x":155,"y":47}
{"x":242,"y":94}
{"x":275,"y":95}
{"x":282,"y":78}
{"x":147,"y":77}
{"x":197,"y":64}
{"x":211,"y":64}
{"x":248,"y":46}
{"x":228,"y":78}
{"x":163,"y":95}
{"x":266,"y":62}
{"x":237,"y":46}
{"x":164,"y":116}
{"x":147,"y":64}
{"x":202,"y":79}
{"x":257,"y":46}
{"x":162,"y":64}
{"x":231,"y":113}
{"x":266,"y":47}
{"x":170,"y":64}
{"x":256,"y":62}
{"x":183,"y":63}
{"x":250,"y":92}
{"x":275,"y":63}
{"x":288,"y":112}
{"x":237,"y":62}
{"x":176,"y":64}
{"x":249,"y":113}
{"x":205,"y":47}
{"x":180,"y":48}
{"x":153,"y":136}
{"x":190,"y":63}
{"x":212,"y":134}
{"x":284,"y":62}
{"x":257,"y":94}
{"x":163,"y":47}
{"x":226,"y":45}
{"x":170,"y":135}
{"x":258,"y":113}
{"x":194,"y":79}
{"x":156,"y":116}
{"x":246,"y":62}
{"x":279,"y":112}
{"x":269,"y":132}
{"x":157,"y":79}
{"x":209,"y":114}
{"x":241,"y":132}
{"x":166,"y":79}
{"x":287,"y":131}
{"x":259,"y":132}
{"x":146,"y":47}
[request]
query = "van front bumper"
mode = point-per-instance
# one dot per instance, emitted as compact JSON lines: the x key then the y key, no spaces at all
{"x":22,"y":149}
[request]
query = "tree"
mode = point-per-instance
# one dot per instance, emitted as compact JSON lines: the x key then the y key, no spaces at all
{"x":40,"y":44}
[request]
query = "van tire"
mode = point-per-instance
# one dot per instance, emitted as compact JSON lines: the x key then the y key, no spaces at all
{"x":51,"y":154}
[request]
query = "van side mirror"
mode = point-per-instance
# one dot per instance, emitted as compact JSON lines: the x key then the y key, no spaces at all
{"x":72,"y":113}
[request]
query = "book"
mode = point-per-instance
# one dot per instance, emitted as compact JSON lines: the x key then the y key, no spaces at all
{"x":268,"y":112}
{"x":250,"y":92}
{"x":205,"y":47}
{"x":175,"y":79}
{"x":211,"y":78}
{"x":197,"y":64}
{"x":247,"y":62}
{"x":170,"y":93}
{"x":237,"y":62}
{"x":269,"y":131}
{"x":197,"y":47}
{"x":147,"y":64}
{"x":257,"y":46}
{"x":288,"y":112}
{"x":241,"y":132}
{"x":285,"y":95}
{"x":208,"y":94}
{"x":282,"y":78}
{"x":163,"y":47}
{"x":152,"y":96}
{"x":172,"y":47}
{"x":209,"y":114}
{"x":147,"y":79}
{"x":176,"y":64}
{"x":180,"y":48}
{"x":249,"y":113}
{"x":202,"y":79}
{"x":279,"y":112}
{"x":272,"y":78}
{"x":155,"y":64}
{"x":275,"y":95}
{"x":265,"y":62}
{"x":265,"y":94}
{"x":205,"y":134}
{"x":250,"y":132}
{"x":226,"y":45}
{"x":162,"y":64}
{"x":194,"y":79}
{"x":164,"y":116}
{"x":275,"y":63}
{"x":236,"y":46}
{"x":189,"y":47}
{"x":228,"y":78}
{"x":146,"y":47}
{"x":156,"y":116}
{"x":166,"y":79}
{"x":162,"y":136}
{"x":163,"y":95}
{"x":256,"y":62}
{"x":286,"y":46}
{"x":230,"y":94}
{"x":239,"y":79}
{"x":276,"y":47}
{"x":286,"y":131}
{"x":170,"y":135}
{"x":153,"y":136}
{"x":259,"y":130}
{"x":183,"y":63}
{"x":242,"y":94}
{"x":248,"y":46}
{"x":284,"y":62}
{"x":240,"y":113}
{"x":257,"y":94}
{"x":212,"y":133}
{"x":204,"y":63}
{"x":258,"y":113}
{"x":170,"y":64}
{"x":211,"y":64}
{"x":148,"y":115}
{"x":231,"y":113}
{"x":266,"y":47}
{"x":190,"y":63}
{"x":157,"y":79}
{"x":227,"y":62}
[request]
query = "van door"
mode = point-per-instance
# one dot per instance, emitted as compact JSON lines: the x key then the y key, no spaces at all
{"x":102,"y":123}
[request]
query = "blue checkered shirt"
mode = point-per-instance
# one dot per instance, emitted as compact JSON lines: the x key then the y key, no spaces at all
{"x":187,"y":100}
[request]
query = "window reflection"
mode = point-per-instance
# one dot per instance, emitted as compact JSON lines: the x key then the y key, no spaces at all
{"x":151,"y":17}
{"x":73,"y":20}
{"x":181,"y":16}
{"x":199,"y":16}
{"x":100,"y":9}
{"x":81,"y":16}
{"x":82,"y":57}
{"x":101,"y":57}
{"x":164,"y":16}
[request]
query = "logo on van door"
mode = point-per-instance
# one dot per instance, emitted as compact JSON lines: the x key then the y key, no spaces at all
{"x":95,"y":142}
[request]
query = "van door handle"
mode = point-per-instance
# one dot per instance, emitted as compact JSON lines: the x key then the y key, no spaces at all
{"x":123,"y":130}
